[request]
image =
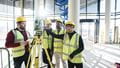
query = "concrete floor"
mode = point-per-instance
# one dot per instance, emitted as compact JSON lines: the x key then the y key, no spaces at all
{"x":96,"y":56}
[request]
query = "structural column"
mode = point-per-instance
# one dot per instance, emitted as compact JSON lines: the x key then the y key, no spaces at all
{"x":74,"y":13}
{"x":107,"y":19}
{"x":22,"y":7}
{"x":38,"y":5}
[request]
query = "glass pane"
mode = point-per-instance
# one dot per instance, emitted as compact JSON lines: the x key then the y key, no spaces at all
{"x":118,"y":5}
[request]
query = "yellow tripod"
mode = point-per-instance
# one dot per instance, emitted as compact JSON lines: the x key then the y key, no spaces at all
{"x":34,"y":52}
{"x":34,"y":58}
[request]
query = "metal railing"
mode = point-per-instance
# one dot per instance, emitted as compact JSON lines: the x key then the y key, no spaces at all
{"x":8,"y":56}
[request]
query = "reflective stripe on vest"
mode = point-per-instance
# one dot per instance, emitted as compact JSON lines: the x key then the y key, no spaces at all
{"x":46,"y":40}
{"x":20,"y":50}
{"x":58,"y":43}
{"x":70,"y":46}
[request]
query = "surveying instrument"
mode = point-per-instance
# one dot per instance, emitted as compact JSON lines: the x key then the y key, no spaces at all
{"x":35,"y":60}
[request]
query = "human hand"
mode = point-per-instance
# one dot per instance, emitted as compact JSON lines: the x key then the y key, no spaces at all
{"x":24,"y":43}
{"x":71,"y":56}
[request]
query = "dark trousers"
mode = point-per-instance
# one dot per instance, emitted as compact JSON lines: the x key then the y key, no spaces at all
{"x":77,"y":65}
{"x":45,"y":60}
{"x":19,"y":60}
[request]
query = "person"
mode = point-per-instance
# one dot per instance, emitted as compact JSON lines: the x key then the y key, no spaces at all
{"x":47,"y":44}
{"x":17,"y":40}
{"x":72,"y":45}
{"x":117,"y":65}
{"x":58,"y":43}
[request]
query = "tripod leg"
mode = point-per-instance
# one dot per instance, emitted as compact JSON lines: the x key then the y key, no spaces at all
{"x":48,"y":57}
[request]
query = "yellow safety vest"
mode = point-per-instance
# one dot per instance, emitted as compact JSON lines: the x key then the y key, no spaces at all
{"x":58,"y":43}
{"x":19,"y":50}
{"x":46,"y":40}
{"x":70,"y":46}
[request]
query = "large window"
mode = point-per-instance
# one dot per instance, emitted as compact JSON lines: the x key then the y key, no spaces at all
{"x":91,"y":12}
{"x":8,"y":15}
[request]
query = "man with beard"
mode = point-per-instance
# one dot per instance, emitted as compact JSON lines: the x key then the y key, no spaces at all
{"x":72,"y":45}
{"x":17,"y":40}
